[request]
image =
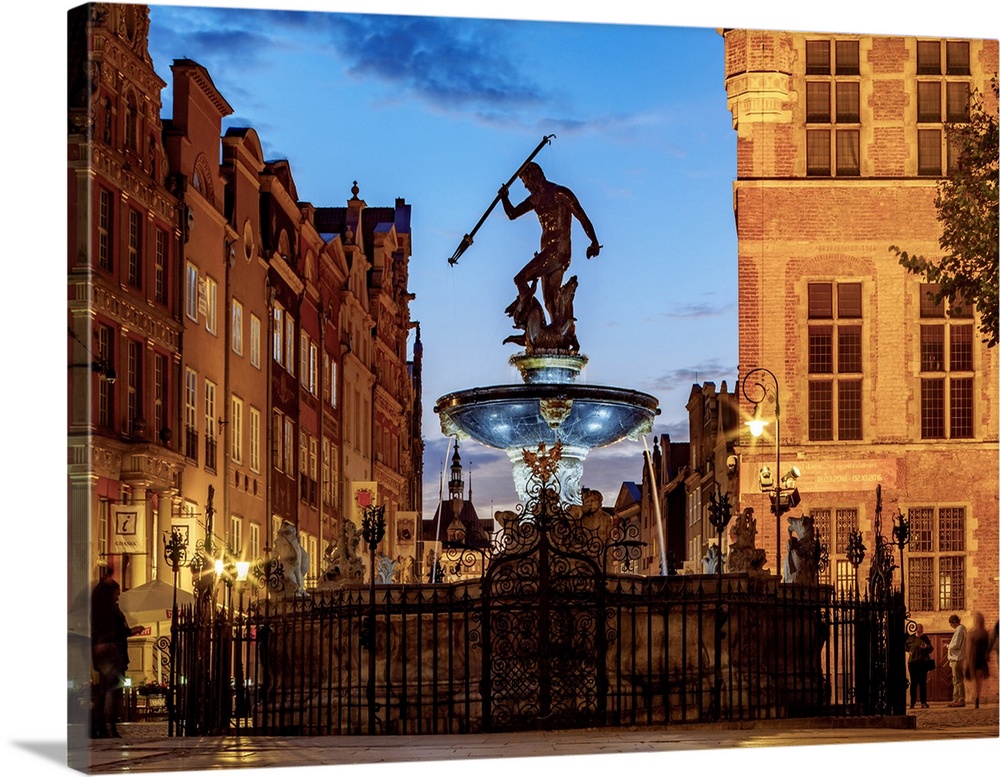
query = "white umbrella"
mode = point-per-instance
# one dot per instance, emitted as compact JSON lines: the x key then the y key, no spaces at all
{"x":151,"y":602}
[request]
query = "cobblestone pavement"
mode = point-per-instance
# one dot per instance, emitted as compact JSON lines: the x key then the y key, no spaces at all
{"x":145,"y":747}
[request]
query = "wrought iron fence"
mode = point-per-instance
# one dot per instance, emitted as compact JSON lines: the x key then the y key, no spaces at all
{"x":547,"y":636}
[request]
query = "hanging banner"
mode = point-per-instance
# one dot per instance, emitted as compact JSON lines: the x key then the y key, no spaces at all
{"x":406,"y":530}
{"x":364,"y":493}
{"x":128,"y":528}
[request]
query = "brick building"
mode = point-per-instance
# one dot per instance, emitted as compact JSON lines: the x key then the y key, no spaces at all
{"x":840,"y":145}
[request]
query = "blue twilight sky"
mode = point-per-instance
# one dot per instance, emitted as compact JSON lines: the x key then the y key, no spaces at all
{"x":462,"y":172}
{"x":440,"y":110}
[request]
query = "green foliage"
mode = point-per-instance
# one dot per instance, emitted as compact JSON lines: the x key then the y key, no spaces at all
{"x":967,"y":208}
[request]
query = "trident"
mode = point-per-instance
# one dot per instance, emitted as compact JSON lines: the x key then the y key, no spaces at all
{"x":467,"y":240}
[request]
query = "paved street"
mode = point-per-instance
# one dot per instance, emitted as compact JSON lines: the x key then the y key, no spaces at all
{"x":146,"y":748}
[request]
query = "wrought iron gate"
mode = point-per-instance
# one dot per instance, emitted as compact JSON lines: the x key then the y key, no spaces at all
{"x":544,"y":631}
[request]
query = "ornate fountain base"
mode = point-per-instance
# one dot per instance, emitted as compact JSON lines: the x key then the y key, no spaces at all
{"x":549,"y":408}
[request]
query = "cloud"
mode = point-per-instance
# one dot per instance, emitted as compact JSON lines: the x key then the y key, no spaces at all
{"x":684,"y":377}
{"x":450,"y":63}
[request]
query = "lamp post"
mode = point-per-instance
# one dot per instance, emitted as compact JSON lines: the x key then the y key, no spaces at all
{"x":372,"y":530}
{"x":242,"y":571}
{"x":174,"y":551}
{"x":720,"y":513}
{"x":782,"y":491}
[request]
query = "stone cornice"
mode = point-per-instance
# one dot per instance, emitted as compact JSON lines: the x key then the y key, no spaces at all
{"x":161,"y":330}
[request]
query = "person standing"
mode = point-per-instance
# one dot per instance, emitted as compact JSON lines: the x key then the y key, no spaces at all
{"x":979,"y":654}
{"x":919,"y":663}
{"x":957,"y":652}
{"x":109,"y":633}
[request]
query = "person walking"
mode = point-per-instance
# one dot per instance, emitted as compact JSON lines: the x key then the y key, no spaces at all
{"x":919,"y":663}
{"x":957,"y":652}
{"x":979,"y":654}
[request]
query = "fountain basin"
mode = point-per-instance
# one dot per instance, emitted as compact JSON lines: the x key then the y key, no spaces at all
{"x":522,"y":416}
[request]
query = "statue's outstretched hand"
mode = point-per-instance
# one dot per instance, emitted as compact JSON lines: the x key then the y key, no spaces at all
{"x":593,"y":249}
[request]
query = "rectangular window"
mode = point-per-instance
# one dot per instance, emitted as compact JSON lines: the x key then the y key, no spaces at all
{"x":951,"y":583}
{"x":210,"y":441}
{"x":237,"y":325}
{"x":159,"y":393}
{"x":104,"y":232}
{"x":929,"y":152}
{"x":235,"y":539}
{"x":820,"y":350}
{"x":135,"y":249}
{"x":936,"y":565}
{"x":929,"y":101}
{"x":191,"y":292}
{"x":848,"y":300}
{"x":928,"y":57}
{"x":255,"y":341}
{"x":211,"y":298}
{"x":849,"y":410}
{"x":289,"y":343}
{"x":961,"y":408}
{"x":333,"y":383}
{"x":932,"y":348}
{"x":133,"y":384}
{"x":304,"y":359}
{"x":957,"y":52}
{"x":254,"y":439}
{"x":818,"y":102}
{"x":847,"y":520}
{"x":932,"y":408}
{"x":818,"y":57}
{"x":920,"y":584}
{"x":958,"y":101}
{"x":820,"y":300}
{"x":190,"y":414}
{"x":160,"y":268}
{"x":946,"y":402}
{"x":278,"y":330}
{"x":254,"y":541}
{"x":835,"y":349}
{"x":848,"y":102}
{"x":277,"y":441}
{"x":313,"y":365}
{"x":289,"y":433}
{"x":821,"y":410}
{"x":327,"y":492}
{"x":848,"y":152}
{"x":818,"y":152}
{"x":105,"y":391}
{"x":848,"y":57}
{"x":849,"y":349}
{"x":236,"y":430}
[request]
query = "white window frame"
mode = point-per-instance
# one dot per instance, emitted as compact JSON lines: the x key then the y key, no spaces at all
{"x":254,"y":341}
{"x":211,"y":300}
{"x":278,"y":329}
{"x":254,"y":542}
{"x":254,"y":439}
{"x":210,"y":392}
{"x":191,"y":399}
{"x":235,"y":534}
{"x":236,"y":429}
{"x":237,"y":327}
{"x":289,"y":343}
{"x":191,"y":292}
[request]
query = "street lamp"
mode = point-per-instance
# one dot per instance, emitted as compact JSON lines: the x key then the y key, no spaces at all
{"x":783,"y":493}
{"x":175,"y":551}
{"x":372,"y":531}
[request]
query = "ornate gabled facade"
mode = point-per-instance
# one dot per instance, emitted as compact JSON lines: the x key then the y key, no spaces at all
{"x":237,"y":357}
{"x":713,"y":417}
{"x":841,"y":142}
